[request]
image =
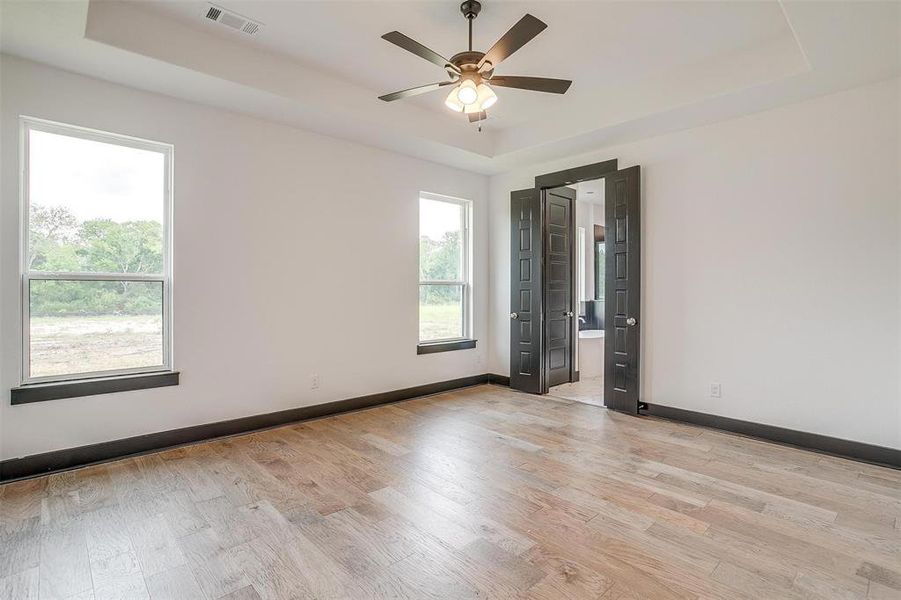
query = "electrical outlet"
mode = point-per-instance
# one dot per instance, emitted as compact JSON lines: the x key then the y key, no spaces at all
{"x":314,"y":382}
{"x":716,"y":390}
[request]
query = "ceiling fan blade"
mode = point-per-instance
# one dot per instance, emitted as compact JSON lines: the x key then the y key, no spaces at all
{"x":535,"y":84}
{"x":411,"y":45}
{"x":422,"y":89}
{"x":479,"y":116}
{"x":518,"y":36}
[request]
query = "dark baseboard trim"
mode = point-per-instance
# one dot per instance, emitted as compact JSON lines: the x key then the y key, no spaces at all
{"x":878,"y":455}
{"x":70,"y":458}
{"x":41,"y":392}
{"x":498,"y":379}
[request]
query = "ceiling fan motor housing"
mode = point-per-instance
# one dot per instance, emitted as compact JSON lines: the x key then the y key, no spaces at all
{"x":470,"y":9}
{"x":468,"y":63}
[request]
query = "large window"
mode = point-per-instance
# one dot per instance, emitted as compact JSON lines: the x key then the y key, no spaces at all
{"x":96,"y":254}
{"x":444,"y":269}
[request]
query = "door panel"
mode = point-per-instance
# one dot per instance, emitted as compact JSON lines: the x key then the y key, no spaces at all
{"x":558,"y":313}
{"x":526,"y":373}
{"x":623,"y":290}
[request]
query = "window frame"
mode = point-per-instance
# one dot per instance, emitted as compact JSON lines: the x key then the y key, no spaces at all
{"x":26,"y":276}
{"x":465,"y":283}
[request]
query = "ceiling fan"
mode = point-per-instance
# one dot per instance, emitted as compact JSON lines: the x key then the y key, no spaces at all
{"x":472,"y":72}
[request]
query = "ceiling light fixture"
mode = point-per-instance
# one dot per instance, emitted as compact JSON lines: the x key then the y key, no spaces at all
{"x":487,"y":97}
{"x":470,"y":98}
{"x":453,"y":103}
{"x":472,"y":71}
{"x":467,"y":93}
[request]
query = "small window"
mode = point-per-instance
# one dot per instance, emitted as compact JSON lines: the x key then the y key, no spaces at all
{"x":444,"y":269}
{"x":96,"y":253}
{"x":580,"y":273}
{"x":600,"y":266}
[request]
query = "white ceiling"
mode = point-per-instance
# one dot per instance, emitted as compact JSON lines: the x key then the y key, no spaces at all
{"x":592,"y":191}
{"x":639,"y":68}
{"x":585,"y":41}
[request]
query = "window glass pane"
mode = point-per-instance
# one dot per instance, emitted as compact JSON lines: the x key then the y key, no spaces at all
{"x":600,"y":274}
{"x":94,"y":206}
{"x":440,"y":312}
{"x":87,"y":326}
{"x":440,"y":241}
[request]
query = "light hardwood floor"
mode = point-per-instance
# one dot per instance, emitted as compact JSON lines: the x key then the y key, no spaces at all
{"x":589,"y":390}
{"x":481,"y":493}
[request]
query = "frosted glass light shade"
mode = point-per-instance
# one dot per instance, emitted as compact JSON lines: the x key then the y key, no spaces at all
{"x":452,"y":103}
{"x":487,"y":97}
{"x":467,"y":92}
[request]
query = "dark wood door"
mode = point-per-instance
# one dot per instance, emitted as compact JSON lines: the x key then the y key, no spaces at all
{"x":623,"y":290}
{"x":558,"y":294}
{"x":526,"y":373}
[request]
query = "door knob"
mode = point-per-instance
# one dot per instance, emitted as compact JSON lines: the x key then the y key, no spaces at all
{"x":569,"y":314}
{"x":514,"y":316}
{"x":631,"y":321}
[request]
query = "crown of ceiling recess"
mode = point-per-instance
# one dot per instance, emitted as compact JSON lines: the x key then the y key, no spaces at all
{"x":640,"y":68}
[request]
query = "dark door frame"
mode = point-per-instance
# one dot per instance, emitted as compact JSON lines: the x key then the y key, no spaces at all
{"x":560,"y":179}
{"x":576,"y":174}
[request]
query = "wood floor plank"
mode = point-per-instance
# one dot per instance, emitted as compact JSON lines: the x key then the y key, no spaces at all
{"x":422,"y":516}
{"x":106,"y":533}
{"x":65,"y":569}
{"x":21,"y":500}
{"x":245,"y":593}
{"x":22,"y":585}
{"x":156,"y":546}
{"x":218,"y":570}
{"x":118,"y":577}
{"x":566,"y":579}
{"x":20,"y":546}
{"x":476,"y":493}
{"x":175,"y":584}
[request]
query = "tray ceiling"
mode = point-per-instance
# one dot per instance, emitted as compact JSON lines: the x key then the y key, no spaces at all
{"x":639,"y":68}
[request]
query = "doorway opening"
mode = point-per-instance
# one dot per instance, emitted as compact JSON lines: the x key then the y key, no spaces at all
{"x":556,"y":305}
{"x":589,"y":251}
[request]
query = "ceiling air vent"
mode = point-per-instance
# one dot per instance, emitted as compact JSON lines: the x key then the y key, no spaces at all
{"x":232,"y":20}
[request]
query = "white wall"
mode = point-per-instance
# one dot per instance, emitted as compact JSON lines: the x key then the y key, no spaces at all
{"x":295,"y":254}
{"x":770,"y":265}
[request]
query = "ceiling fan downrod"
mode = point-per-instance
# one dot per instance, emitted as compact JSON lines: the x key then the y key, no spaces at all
{"x":470,"y":10}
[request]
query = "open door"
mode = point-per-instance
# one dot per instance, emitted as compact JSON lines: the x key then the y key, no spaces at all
{"x":526,"y":299}
{"x":623,"y":290}
{"x":558,"y":295}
